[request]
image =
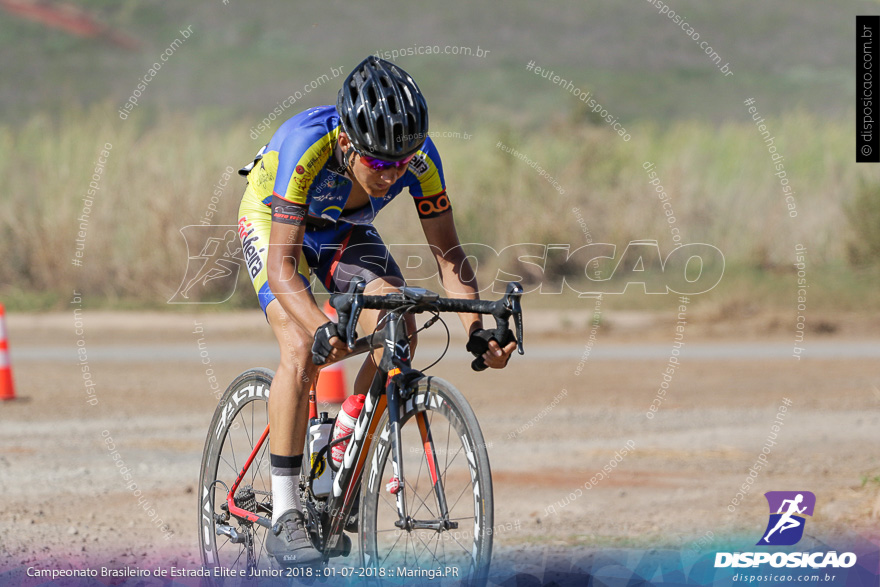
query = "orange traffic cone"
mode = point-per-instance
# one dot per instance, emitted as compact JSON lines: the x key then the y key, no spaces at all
{"x":7,"y":389}
{"x":331,"y":380}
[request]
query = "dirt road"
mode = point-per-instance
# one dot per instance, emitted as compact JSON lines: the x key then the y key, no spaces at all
{"x":552,"y":422}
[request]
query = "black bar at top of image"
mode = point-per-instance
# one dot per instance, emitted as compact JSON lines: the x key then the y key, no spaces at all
{"x":867,"y":86}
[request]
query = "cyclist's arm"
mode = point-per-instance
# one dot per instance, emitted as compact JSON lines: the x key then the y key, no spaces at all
{"x":456,"y":274}
{"x":285,"y":253}
{"x":459,"y":279}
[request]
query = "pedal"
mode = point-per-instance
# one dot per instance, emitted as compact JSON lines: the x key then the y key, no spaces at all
{"x":230,"y":532}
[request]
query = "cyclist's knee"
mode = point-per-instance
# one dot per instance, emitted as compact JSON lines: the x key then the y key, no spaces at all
{"x":294,"y":344}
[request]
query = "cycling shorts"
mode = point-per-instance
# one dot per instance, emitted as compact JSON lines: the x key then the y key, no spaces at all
{"x":333,"y":255}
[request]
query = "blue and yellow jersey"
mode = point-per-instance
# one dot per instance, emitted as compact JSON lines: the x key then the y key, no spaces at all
{"x":299,"y":165}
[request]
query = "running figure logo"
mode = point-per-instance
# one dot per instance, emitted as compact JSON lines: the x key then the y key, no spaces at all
{"x":786,"y":526}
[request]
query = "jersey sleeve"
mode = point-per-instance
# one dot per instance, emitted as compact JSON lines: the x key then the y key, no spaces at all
{"x":300,"y":157}
{"x":428,"y":187}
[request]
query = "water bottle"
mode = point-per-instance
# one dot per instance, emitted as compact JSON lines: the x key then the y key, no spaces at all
{"x":345,"y":422}
{"x":319,"y":437}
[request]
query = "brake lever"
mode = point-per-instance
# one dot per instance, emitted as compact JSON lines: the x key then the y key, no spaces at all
{"x":357,"y":304}
{"x":512,"y":304}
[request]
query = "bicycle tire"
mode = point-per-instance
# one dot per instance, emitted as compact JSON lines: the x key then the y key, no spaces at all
{"x":435,"y":397}
{"x":237,"y":405}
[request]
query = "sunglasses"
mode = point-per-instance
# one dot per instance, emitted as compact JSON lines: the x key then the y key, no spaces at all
{"x":380,"y":164}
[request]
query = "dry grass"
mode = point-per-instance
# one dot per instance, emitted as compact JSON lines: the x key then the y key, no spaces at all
{"x":161,"y":174}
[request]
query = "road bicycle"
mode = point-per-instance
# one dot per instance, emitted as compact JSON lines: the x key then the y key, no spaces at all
{"x":436,"y":510}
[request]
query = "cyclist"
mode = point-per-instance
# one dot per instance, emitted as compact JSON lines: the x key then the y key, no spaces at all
{"x":312,"y":194}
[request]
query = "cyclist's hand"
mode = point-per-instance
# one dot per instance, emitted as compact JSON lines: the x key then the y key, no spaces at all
{"x":328,"y":346}
{"x":482,"y":344}
{"x":496,"y":357}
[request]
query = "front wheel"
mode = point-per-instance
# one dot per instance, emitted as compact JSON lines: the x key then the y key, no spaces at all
{"x":436,"y":419}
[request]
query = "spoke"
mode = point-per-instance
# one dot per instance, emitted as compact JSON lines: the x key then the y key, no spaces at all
{"x":259,"y":461}
{"x":460,"y":546}
{"x":413,"y":542}
{"x":262,"y":544}
{"x":244,"y":425}
{"x":443,"y":549}
{"x":458,"y":452}
{"x":232,"y":448}
{"x":385,"y":499}
{"x":391,"y":549}
{"x":425,"y":505}
{"x":234,"y":470}
{"x":427,"y":546}
{"x":459,"y":498}
{"x":235,"y":562}
{"x":448,"y":430}
{"x":251,"y":440}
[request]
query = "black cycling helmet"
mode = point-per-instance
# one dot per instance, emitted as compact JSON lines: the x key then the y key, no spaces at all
{"x":382,"y":110}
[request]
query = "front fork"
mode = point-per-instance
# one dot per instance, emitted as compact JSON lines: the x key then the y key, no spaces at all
{"x":396,"y":361}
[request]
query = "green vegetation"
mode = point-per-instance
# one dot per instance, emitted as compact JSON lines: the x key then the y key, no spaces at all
{"x":162,"y":171}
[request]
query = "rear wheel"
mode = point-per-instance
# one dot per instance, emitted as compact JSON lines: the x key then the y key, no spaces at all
{"x":461,"y":540}
{"x":240,"y":419}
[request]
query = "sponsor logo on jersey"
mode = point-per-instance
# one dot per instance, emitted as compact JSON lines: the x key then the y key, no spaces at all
{"x":249,"y":244}
{"x":418,"y":165}
{"x":291,"y":214}
{"x":431,"y":206}
{"x":300,"y":169}
{"x":301,"y":182}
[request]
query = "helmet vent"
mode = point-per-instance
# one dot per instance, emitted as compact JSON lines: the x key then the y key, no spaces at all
{"x":381,"y":134}
{"x":362,"y":122}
